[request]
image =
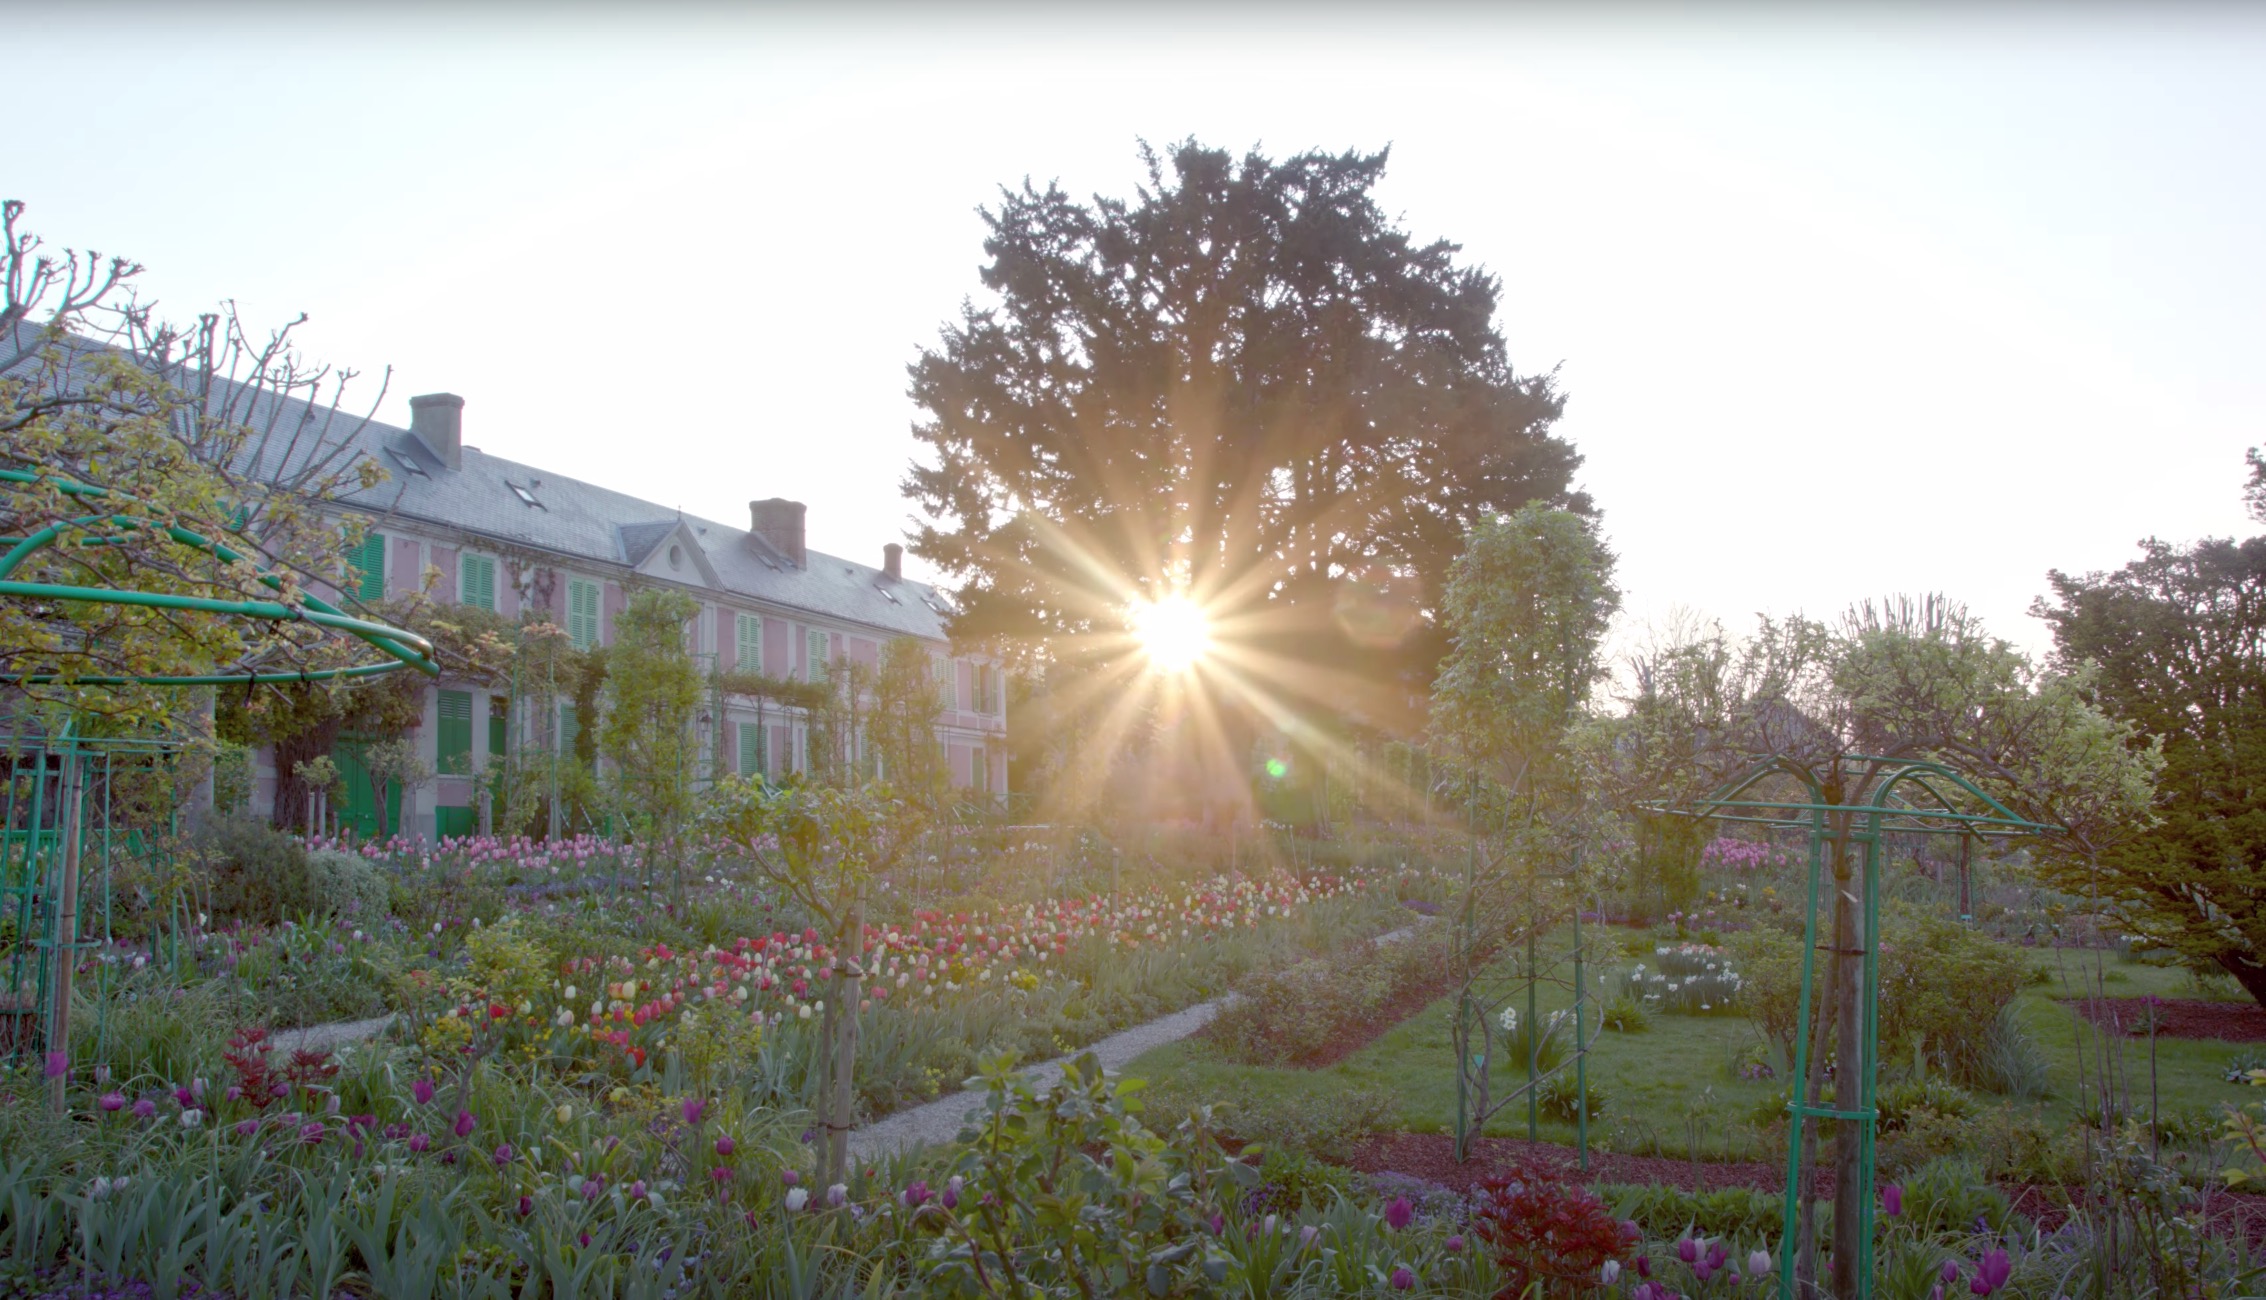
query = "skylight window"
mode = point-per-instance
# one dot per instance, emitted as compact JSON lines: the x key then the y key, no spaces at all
{"x":887,"y":594}
{"x":526,"y":497}
{"x":408,"y":464}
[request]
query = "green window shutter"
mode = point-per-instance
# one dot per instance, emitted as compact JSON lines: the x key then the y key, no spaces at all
{"x":570,"y":726}
{"x":751,"y":749}
{"x":582,"y":613}
{"x":499,"y":724}
{"x":455,"y":751}
{"x":814,"y":651}
{"x":750,"y":640}
{"x":453,"y":822}
{"x":369,"y":562}
{"x":476,"y":580}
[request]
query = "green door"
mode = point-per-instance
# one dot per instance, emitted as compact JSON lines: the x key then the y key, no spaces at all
{"x":358,"y":812}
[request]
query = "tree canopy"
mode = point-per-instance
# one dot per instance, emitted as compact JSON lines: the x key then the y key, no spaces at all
{"x":2178,"y":641}
{"x":1245,"y":382}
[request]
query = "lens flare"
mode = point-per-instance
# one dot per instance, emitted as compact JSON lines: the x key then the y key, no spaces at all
{"x":1173,"y":633}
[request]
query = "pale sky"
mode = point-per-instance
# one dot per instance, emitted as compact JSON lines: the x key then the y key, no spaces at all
{"x":1845,"y":307}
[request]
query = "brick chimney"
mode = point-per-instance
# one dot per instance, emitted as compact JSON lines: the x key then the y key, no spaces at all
{"x":438,"y":421}
{"x":893,"y":562}
{"x":780,"y":524}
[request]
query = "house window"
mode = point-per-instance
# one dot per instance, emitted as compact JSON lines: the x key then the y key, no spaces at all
{"x":366,"y":564}
{"x":815,"y":654}
{"x":947,"y":696}
{"x":499,"y":724}
{"x":454,"y":756}
{"x":753,"y":759}
{"x":750,"y":641}
{"x":476,"y":580}
{"x":582,"y":613}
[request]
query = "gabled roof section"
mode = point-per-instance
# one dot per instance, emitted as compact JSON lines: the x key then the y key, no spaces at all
{"x":669,"y":549}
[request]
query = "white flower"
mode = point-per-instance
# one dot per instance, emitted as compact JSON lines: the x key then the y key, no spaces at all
{"x":192,"y":1118}
{"x":802,"y":1012}
{"x":1611,"y":1271}
{"x":797,"y":1197}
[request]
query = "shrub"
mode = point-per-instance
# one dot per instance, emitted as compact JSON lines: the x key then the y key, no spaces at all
{"x":1942,"y":987}
{"x":1515,"y":1039}
{"x":1949,"y":1195}
{"x":347,"y":886}
{"x":1549,"y":1239}
{"x":1289,"y":1014}
{"x":256,"y":872}
{"x":2012,"y":1064}
{"x":1290,"y":1181}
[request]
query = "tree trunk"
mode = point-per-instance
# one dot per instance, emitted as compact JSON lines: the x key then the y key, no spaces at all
{"x":2250,"y":975}
{"x":849,"y":985}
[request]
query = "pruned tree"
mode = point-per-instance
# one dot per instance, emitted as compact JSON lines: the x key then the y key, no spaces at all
{"x":653,"y":690}
{"x":822,"y":844}
{"x":1526,"y":609}
{"x":901,"y":724}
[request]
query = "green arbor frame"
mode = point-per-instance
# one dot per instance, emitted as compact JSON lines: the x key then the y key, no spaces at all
{"x":1850,"y":802}
{"x":43,"y":860}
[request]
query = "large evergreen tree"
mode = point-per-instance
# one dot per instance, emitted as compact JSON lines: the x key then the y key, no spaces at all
{"x":1247,"y":382}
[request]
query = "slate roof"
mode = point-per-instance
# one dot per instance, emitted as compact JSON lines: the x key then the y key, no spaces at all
{"x":578,"y":520}
{"x":585,"y":521}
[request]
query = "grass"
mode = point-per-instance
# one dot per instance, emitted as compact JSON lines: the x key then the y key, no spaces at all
{"x":1675,"y":1085}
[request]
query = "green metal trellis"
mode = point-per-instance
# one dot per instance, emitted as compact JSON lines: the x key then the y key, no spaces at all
{"x":1851,"y":800}
{"x":44,"y":838}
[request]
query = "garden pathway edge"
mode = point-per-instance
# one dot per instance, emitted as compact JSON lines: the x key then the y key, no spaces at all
{"x":937,"y":1122}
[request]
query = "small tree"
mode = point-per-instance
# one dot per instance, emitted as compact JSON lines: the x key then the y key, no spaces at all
{"x":1527,"y":603}
{"x":901,"y":724}
{"x":822,"y":844}
{"x":652,"y":696}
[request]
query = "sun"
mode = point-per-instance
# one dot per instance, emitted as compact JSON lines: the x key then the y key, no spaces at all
{"x":1172,"y":632}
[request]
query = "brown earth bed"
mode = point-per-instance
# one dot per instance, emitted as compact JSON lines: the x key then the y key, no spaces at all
{"x":2233,"y":1022}
{"x":1431,"y":1157}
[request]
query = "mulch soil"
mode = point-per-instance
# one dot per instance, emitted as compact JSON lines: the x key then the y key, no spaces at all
{"x":1431,"y":1157}
{"x":2233,"y":1022}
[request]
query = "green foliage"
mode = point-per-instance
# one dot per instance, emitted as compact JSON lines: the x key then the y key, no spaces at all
{"x":1078,"y":1157}
{"x":1560,"y":1097}
{"x":1263,"y":320}
{"x":1526,"y":607}
{"x":2176,"y":637}
{"x":1943,"y":987}
{"x":1625,"y":1014}
{"x":1285,"y":1015}
{"x":256,"y":872}
{"x":1899,"y":1102}
{"x":653,"y":691}
{"x":1734,"y":1213}
{"x":347,"y":886}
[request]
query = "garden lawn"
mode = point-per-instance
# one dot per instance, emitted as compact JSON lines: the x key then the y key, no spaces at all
{"x":1675,"y":1085}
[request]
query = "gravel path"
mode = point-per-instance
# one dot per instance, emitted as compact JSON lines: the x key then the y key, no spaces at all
{"x":323,"y":1037}
{"x":939,"y":1121}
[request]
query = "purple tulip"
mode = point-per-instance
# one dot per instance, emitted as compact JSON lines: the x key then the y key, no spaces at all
{"x":234,"y":1093}
{"x":1644,"y":1266}
{"x":637,"y":1190}
{"x":1991,"y":1272}
{"x":112,"y":1101}
{"x":312,"y":1133}
{"x":1687,"y":1250}
{"x":694,"y":1108}
{"x":1892,"y":1200}
{"x":725,"y":1146}
{"x":246,"y":1128}
{"x":422,"y":1090}
{"x":1403,"y":1280}
{"x":1455,"y":1245}
{"x":144,"y":1108}
{"x":418,"y":1142}
{"x":1398,"y":1212}
{"x":503,"y":1155}
{"x":185,"y":1098}
{"x":1950,"y":1273}
{"x":789,"y":1177}
{"x":526,"y":1206}
{"x":58,"y":1064}
{"x":916,"y":1194}
{"x":465,"y":1123}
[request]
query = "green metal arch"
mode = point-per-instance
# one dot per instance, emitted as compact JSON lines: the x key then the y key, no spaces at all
{"x":403,"y":648}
